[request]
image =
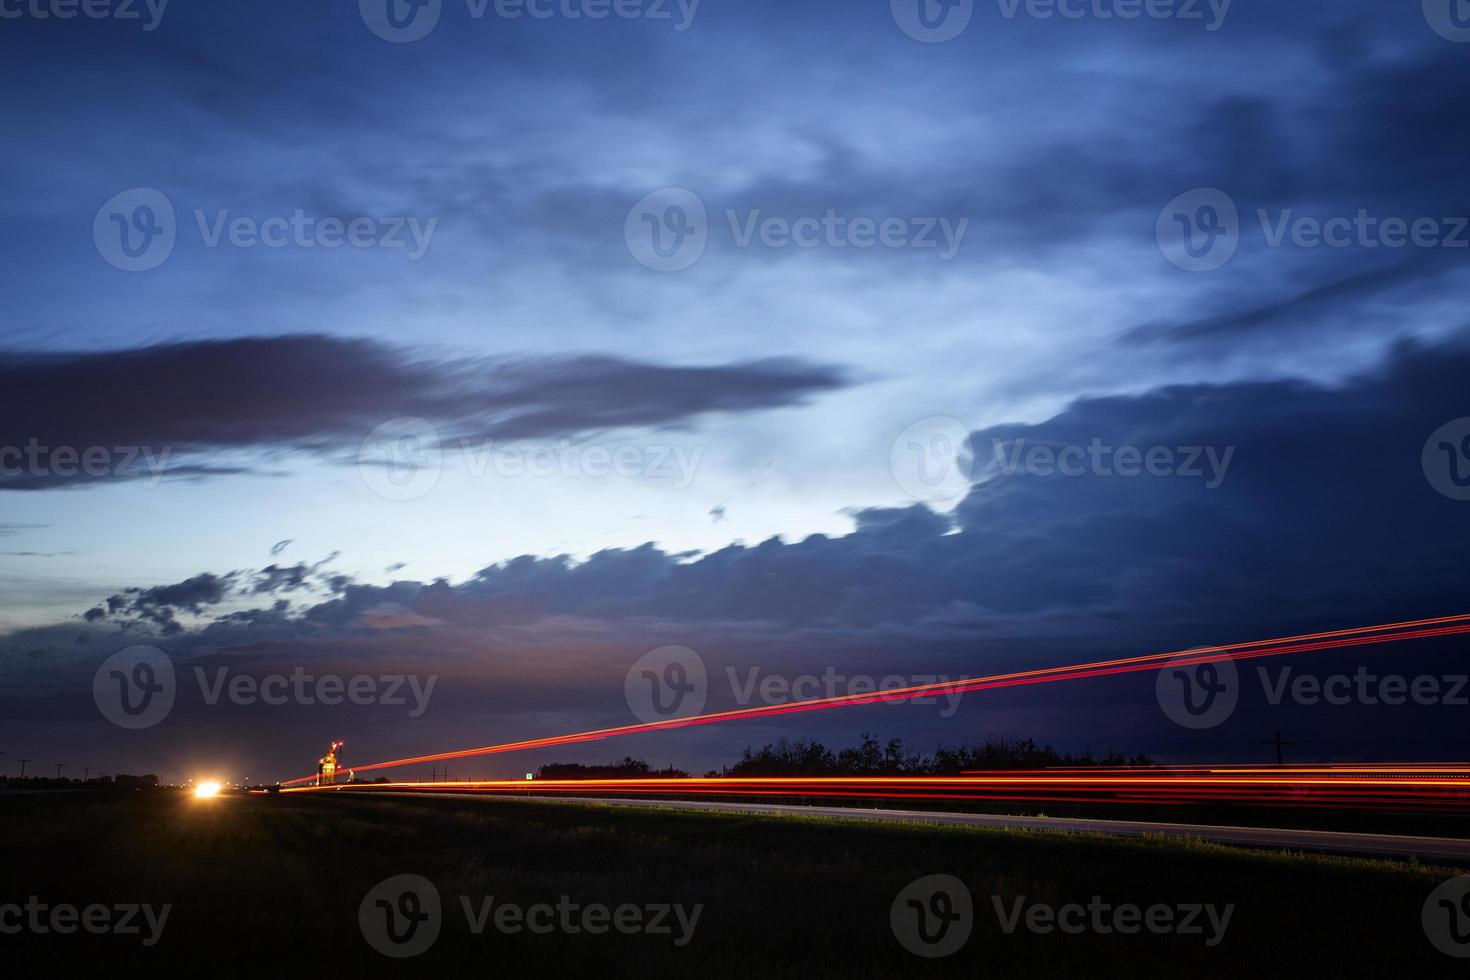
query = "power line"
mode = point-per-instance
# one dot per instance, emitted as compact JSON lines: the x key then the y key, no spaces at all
{"x":1279,"y":744}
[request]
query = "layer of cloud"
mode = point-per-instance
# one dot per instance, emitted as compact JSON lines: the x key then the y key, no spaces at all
{"x":1332,"y":510}
{"x":182,"y":409}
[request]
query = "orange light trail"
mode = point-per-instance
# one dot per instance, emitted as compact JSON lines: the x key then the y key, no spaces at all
{"x":1303,"y":643}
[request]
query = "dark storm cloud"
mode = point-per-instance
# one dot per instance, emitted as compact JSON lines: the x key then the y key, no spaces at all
{"x":184,"y":402}
{"x":1205,"y":128}
{"x":1255,"y":523}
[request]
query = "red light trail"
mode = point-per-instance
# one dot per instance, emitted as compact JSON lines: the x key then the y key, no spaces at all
{"x":1391,"y":786}
{"x":1304,"y":643}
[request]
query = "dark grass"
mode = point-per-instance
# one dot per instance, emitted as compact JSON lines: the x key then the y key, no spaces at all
{"x":272,"y":885}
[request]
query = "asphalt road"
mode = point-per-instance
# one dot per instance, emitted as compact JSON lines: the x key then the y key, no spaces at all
{"x":1428,"y":849}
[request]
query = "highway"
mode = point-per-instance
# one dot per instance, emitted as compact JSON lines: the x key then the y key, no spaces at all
{"x":1429,"y":849}
{"x":1280,"y":646}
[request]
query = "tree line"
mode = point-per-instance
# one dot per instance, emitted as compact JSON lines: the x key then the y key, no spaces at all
{"x":869,"y":758}
{"x":891,"y":758}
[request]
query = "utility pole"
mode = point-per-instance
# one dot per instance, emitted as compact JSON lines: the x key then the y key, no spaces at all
{"x":85,"y":771}
{"x":59,"y":766}
{"x":23,"y":767}
{"x":1279,"y":744}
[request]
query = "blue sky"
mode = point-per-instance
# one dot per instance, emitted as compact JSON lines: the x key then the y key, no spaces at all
{"x":758,"y":393}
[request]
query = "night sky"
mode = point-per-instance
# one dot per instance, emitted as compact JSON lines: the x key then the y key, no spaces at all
{"x":386,"y":372}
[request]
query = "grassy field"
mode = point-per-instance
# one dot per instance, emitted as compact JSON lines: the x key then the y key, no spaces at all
{"x":268,"y":883}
